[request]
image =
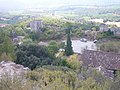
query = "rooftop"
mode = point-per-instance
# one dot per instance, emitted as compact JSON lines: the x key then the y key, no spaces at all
{"x":108,"y":60}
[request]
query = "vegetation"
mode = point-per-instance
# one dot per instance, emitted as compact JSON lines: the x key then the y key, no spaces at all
{"x":74,"y":63}
{"x":110,"y":46}
{"x":2,"y":36}
{"x":53,"y":48}
{"x":68,"y":48}
{"x":33,"y":56}
{"x":7,"y":50}
{"x":51,"y":68}
{"x":106,"y":34}
{"x":57,"y":78}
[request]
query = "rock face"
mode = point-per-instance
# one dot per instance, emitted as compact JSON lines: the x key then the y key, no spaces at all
{"x":12,"y":69}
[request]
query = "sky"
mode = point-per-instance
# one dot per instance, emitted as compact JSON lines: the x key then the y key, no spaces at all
{"x":20,"y":4}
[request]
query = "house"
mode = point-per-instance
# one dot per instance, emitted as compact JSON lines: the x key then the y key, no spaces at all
{"x":115,"y":30}
{"x":3,"y":25}
{"x":105,"y":62}
{"x":43,"y":43}
{"x":18,"y":40}
{"x":103,"y":27}
{"x":36,"y":25}
{"x":3,"y":19}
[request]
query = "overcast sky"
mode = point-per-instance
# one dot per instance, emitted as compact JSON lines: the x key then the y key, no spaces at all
{"x":10,"y":4}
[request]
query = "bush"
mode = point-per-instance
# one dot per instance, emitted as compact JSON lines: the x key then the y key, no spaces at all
{"x":33,"y":55}
{"x":110,"y":47}
{"x":74,"y":63}
{"x":106,"y":34}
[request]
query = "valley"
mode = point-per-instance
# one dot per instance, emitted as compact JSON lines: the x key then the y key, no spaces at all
{"x":67,"y":47}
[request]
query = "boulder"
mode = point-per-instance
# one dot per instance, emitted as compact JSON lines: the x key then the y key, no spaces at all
{"x":12,"y":69}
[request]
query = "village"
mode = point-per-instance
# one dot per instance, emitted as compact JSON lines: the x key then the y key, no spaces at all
{"x":105,"y":62}
{"x":66,"y":47}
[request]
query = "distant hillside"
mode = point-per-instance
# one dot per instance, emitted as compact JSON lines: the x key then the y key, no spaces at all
{"x":23,"y":4}
{"x":77,"y":7}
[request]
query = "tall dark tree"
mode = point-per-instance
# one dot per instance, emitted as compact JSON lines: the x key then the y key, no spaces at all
{"x":68,"y":48}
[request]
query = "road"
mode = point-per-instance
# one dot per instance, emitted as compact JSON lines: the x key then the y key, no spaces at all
{"x":79,"y":46}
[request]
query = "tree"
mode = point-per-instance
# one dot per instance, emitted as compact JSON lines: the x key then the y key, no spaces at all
{"x":28,"y":41}
{"x":53,"y":47}
{"x":33,"y":56}
{"x":34,"y":36}
{"x":68,"y":48}
{"x":19,"y":31}
{"x":2,"y":35}
{"x":8,"y":48}
{"x":74,"y":63}
{"x":110,"y":46}
{"x":5,"y":56}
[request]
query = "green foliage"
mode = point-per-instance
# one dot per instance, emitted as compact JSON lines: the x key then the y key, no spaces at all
{"x":115,"y":85}
{"x":53,"y":21}
{"x":74,"y":63}
{"x":33,"y":56}
{"x":7,"y":45}
{"x":106,"y":34}
{"x":71,"y":77}
{"x":7,"y":49}
{"x":56,"y":78}
{"x":53,"y":48}
{"x":52,"y":79}
{"x":5,"y":56}
{"x":110,"y":47}
{"x":77,"y":32}
{"x":15,"y":83}
{"x":2,"y":36}
{"x":27,"y":41}
{"x":68,"y":48}
{"x":35,"y":36}
{"x":61,"y":45}
{"x":19,"y":31}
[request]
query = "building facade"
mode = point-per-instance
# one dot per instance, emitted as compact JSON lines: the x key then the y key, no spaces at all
{"x":115,"y":30}
{"x":36,"y":25}
{"x":103,"y":28}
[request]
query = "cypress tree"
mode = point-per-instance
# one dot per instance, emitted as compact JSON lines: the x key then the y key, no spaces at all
{"x":68,"y":48}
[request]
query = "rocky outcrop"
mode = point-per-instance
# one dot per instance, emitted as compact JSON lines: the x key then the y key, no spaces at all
{"x":12,"y":69}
